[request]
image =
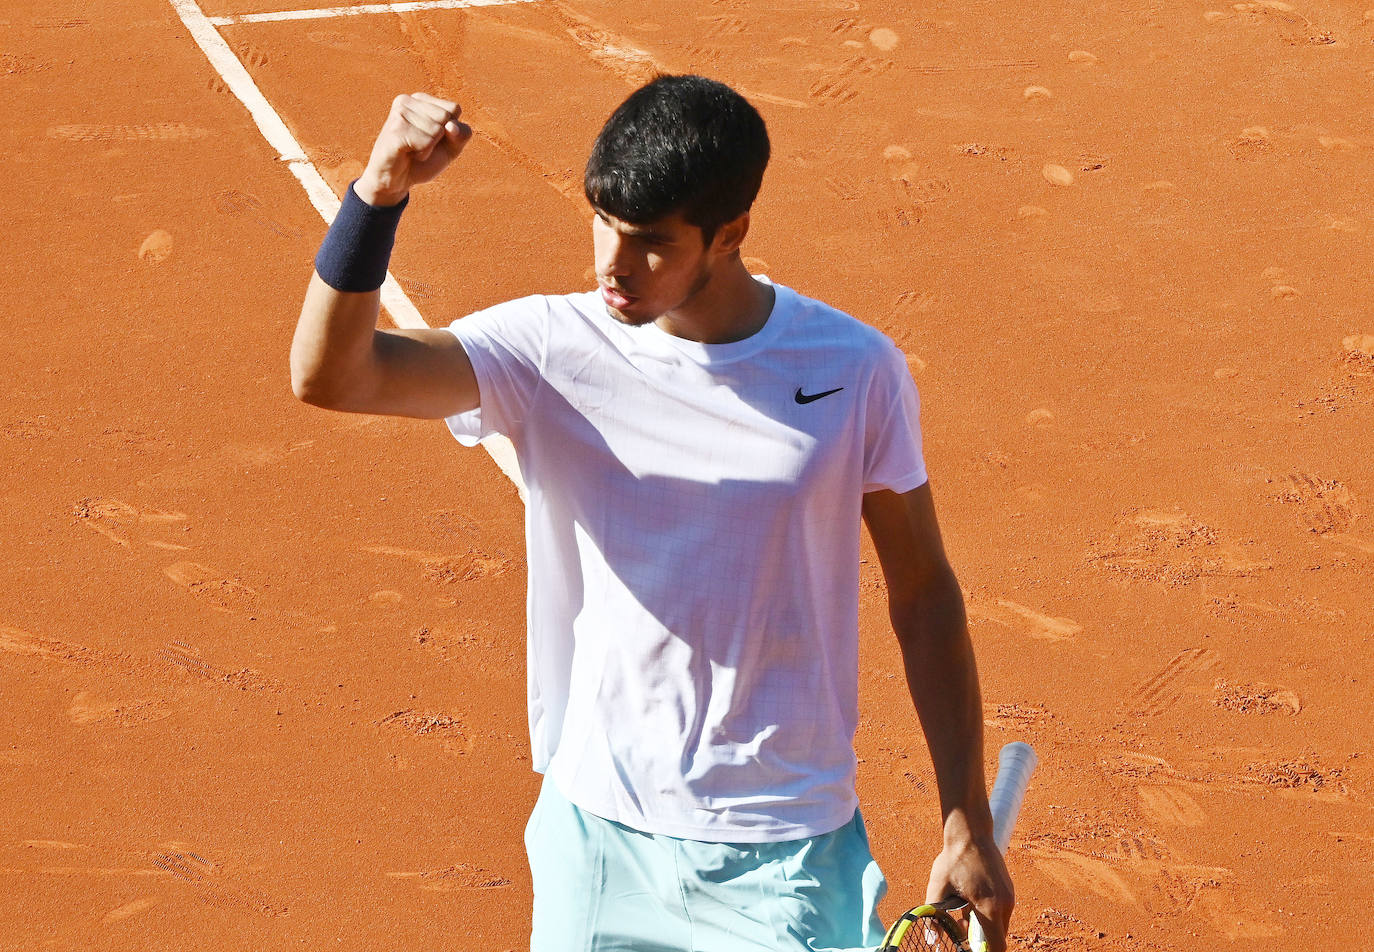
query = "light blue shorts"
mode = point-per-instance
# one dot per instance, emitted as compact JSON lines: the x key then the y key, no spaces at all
{"x":600,"y":886}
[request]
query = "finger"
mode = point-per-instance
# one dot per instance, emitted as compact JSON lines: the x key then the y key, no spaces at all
{"x":422,"y":133}
{"x":430,"y":126}
{"x":451,"y":109}
{"x":438,"y":112}
{"x":456,"y":136}
{"x":939,"y":886}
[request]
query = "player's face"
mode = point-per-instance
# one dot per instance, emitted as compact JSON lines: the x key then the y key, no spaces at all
{"x":645,"y":271}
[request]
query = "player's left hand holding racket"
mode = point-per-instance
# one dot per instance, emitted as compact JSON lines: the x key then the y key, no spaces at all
{"x":937,"y":926}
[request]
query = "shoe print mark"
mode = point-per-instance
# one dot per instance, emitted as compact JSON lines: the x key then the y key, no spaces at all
{"x":139,"y":132}
{"x":472,"y":565}
{"x":460,"y":876}
{"x":1037,"y":625}
{"x":187,"y":658}
{"x":245,"y":205}
{"x":445,"y":728}
{"x":1159,"y":693}
{"x":209,"y":882}
{"x":1256,"y":698}
{"x":1171,"y":548}
{"x":1324,"y":505}
{"x":841,"y":85}
{"x":1170,"y":806}
{"x":222,"y":594}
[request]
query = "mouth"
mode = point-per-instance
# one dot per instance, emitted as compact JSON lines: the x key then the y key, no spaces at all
{"x":613,"y":297}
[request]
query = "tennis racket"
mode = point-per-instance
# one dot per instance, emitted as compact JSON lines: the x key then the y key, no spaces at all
{"x":934,"y":927}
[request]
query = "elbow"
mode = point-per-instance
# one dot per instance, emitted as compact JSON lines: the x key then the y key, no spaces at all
{"x":317,"y":379}
{"x":305,"y":394}
{"x":313,"y":388}
{"x":331,"y":378}
{"x":303,"y":384}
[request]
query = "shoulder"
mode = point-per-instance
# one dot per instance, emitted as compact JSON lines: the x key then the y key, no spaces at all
{"x":532,"y":313}
{"x":814,"y":324}
{"x":533,"y":305}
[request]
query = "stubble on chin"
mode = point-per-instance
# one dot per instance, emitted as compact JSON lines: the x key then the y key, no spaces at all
{"x":620,"y":317}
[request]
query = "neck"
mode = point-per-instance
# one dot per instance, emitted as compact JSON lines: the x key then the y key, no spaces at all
{"x":729,"y":307}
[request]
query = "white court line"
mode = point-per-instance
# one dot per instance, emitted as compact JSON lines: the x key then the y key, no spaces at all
{"x":394,"y":299}
{"x":330,"y":12}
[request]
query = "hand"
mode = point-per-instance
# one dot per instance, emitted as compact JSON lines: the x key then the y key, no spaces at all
{"x":422,"y":135}
{"x":972,"y":867}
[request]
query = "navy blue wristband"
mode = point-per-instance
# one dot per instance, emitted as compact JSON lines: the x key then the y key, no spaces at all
{"x":356,"y":251}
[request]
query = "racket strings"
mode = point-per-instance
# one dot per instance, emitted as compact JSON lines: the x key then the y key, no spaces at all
{"x":926,"y":933}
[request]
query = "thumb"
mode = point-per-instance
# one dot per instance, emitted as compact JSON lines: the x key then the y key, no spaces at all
{"x":456,"y":137}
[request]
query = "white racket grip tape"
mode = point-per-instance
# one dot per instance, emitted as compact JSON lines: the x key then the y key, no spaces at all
{"x":1015,"y":764}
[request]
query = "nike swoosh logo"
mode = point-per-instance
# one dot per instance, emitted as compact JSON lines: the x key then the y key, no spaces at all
{"x":813,"y":397}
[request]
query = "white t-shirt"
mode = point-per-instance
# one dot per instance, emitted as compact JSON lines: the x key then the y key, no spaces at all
{"x":692,"y":528}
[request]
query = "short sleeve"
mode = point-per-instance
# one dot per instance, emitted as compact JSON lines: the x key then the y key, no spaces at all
{"x":893,"y":457}
{"x":506,"y":345}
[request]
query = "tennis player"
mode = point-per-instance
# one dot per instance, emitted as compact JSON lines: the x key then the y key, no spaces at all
{"x":699,"y":446}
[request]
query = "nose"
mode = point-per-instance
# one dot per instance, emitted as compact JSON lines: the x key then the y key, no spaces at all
{"x":610,"y":250}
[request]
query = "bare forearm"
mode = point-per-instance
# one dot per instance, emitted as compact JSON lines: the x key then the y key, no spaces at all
{"x":333,"y":342}
{"x":942,"y":676}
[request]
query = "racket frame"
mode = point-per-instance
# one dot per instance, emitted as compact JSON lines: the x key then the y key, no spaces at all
{"x":939,"y":913}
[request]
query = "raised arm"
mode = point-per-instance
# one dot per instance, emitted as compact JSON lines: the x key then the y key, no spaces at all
{"x":927,"y":612}
{"x":340,"y":359}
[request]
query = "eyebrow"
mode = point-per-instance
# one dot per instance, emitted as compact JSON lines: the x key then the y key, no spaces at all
{"x":650,"y":235}
{"x":636,"y":231}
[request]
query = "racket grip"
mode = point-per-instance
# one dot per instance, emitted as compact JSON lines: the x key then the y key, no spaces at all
{"x":1015,"y":764}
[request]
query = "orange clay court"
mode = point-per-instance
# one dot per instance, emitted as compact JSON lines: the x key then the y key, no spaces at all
{"x":261,"y":666}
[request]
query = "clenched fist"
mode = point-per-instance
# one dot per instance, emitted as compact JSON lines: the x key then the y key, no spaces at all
{"x":422,"y":135}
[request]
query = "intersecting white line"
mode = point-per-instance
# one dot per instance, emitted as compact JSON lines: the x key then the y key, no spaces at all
{"x":405,"y":6}
{"x":403,"y":312}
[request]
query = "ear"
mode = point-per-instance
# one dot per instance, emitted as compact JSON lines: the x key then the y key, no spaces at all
{"x":730,"y":235}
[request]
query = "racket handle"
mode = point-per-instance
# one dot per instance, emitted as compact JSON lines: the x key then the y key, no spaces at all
{"x":1015,"y":764}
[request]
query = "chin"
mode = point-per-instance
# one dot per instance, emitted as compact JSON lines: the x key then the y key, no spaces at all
{"x":631,"y":320}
